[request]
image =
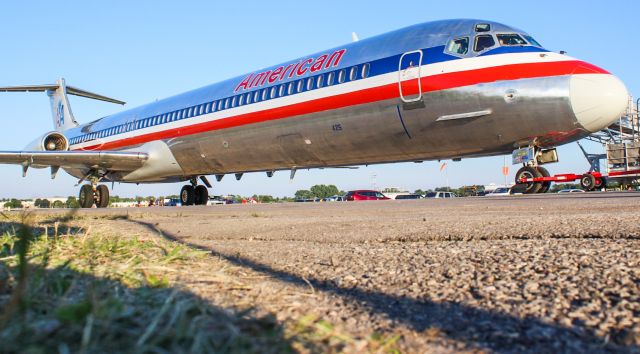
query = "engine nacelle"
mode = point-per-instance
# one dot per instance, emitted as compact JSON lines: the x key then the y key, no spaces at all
{"x":52,"y":141}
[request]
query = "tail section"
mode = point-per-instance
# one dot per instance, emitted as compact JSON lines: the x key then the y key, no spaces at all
{"x":63,"y":118}
{"x":62,"y":115}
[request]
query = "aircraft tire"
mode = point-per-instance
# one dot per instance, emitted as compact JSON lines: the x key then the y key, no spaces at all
{"x":588,"y":182}
{"x":187,"y":195}
{"x":103,"y":196}
{"x":201,"y":195}
{"x":85,"y":199}
{"x":529,"y":172}
{"x":545,"y":185}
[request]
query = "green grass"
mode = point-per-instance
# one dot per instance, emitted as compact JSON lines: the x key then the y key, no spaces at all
{"x":64,"y":289}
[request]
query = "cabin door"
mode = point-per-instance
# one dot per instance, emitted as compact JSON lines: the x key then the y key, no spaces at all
{"x":409,"y":76}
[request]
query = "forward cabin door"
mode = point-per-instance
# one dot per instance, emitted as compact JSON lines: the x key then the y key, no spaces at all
{"x":409,"y":76}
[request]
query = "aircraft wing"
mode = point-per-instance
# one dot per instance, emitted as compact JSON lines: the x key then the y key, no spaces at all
{"x":110,"y":160}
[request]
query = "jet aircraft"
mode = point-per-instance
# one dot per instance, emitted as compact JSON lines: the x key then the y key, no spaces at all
{"x":438,"y":90}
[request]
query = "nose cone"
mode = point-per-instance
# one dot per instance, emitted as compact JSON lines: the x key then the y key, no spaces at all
{"x":597,"y":100}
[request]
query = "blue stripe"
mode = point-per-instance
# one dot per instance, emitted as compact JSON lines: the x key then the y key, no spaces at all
{"x":382,"y":66}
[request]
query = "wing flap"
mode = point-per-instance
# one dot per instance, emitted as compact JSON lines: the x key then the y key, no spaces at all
{"x":110,"y":160}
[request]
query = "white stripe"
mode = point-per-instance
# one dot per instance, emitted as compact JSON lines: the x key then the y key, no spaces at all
{"x":338,"y":89}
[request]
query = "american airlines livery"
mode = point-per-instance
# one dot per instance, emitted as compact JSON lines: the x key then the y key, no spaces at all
{"x":438,"y":90}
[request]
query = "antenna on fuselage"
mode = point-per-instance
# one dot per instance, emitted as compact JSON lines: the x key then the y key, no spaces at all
{"x":354,"y":37}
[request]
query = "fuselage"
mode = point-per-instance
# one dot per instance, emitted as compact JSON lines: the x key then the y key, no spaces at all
{"x":438,"y":90}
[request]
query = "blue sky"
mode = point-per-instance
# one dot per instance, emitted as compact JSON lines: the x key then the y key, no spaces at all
{"x":139,"y":51}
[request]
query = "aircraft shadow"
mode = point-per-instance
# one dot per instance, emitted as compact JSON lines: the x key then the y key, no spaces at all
{"x":476,"y":327}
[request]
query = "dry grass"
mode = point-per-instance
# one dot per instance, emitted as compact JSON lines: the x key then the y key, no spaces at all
{"x":64,"y":289}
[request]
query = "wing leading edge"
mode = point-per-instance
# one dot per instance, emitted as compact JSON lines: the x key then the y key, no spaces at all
{"x":108,"y":160}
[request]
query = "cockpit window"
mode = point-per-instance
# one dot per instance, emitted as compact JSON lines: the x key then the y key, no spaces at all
{"x":483,"y":27}
{"x":483,"y":42}
{"x":510,"y":39}
{"x":532,"y":41}
{"x":459,"y":46}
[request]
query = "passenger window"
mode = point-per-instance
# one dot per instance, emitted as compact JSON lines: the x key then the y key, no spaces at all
{"x":264,"y":94}
{"x":300,"y":86}
{"x":234,"y":100}
{"x":330,"y":77}
{"x":256,"y":96}
{"x":281,"y":90}
{"x":459,"y":46}
{"x":226,"y":103}
{"x":249,"y":97}
{"x":341,"y":76}
{"x":273,"y":93}
{"x":510,"y":39}
{"x":290,"y":88}
{"x":155,"y":120}
{"x":320,"y":81}
{"x":483,"y":42}
{"x":483,"y":27}
{"x":353,"y":74}
{"x":365,"y":71}
{"x":309,"y":84}
{"x":532,"y":41}
{"x":241,"y":100}
{"x":207,"y":108}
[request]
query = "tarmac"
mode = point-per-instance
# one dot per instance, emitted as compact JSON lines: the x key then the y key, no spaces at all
{"x":530,"y":273}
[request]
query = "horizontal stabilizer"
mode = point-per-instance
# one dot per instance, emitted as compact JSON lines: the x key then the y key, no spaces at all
{"x":70,"y":90}
{"x":110,"y":160}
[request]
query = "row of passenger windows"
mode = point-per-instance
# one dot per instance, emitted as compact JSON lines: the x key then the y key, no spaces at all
{"x":486,"y":41}
{"x":302,"y":85}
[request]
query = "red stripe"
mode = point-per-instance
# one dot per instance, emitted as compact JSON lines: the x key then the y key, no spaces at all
{"x":430,"y":83}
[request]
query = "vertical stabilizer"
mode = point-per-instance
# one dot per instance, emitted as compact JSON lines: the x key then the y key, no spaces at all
{"x":60,"y":109}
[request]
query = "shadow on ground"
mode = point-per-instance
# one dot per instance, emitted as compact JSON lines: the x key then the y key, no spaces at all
{"x":476,"y":327}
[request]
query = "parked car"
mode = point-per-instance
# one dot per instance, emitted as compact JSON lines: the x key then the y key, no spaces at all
{"x":365,"y":195}
{"x":173,"y":202}
{"x":216,"y":200}
{"x":440,"y":195}
{"x":571,"y":191}
{"x":500,"y":191}
{"x":408,"y":196}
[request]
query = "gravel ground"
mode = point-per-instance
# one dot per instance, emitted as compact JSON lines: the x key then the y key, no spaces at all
{"x":550,"y":273}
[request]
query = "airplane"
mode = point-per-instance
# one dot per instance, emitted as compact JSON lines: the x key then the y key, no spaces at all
{"x":438,"y":90}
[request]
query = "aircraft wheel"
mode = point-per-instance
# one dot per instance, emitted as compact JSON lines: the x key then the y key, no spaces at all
{"x":103,"y":196}
{"x":85,"y":199}
{"x":201,"y":195}
{"x":545,"y":185}
{"x":529,"y":172}
{"x":588,"y":182}
{"x":187,"y":195}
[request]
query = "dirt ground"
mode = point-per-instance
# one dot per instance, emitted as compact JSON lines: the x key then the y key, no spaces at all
{"x":551,"y":273}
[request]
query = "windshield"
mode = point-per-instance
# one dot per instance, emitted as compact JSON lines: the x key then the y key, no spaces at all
{"x":510,"y":39}
{"x":532,"y":41}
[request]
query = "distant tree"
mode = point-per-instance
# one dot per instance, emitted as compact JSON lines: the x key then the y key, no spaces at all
{"x":303,"y":194}
{"x":71,"y":203}
{"x":58,"y":204}
{"x":419,"y":191}
{"x":44,"y":204}
{"x":264,"y":198}
{"x":13,"y":204}
{"x":323,"y":191}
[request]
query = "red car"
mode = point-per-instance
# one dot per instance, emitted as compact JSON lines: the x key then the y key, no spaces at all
{"x":365,"y":195}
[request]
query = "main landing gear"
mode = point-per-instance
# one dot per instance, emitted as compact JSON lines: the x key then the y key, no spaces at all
{"x":195,"y":194}
{"x":93,"y":193}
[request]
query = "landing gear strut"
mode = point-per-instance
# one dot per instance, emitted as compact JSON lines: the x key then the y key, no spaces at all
{"x":194,"y":194}
{"x":93,"y":193}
